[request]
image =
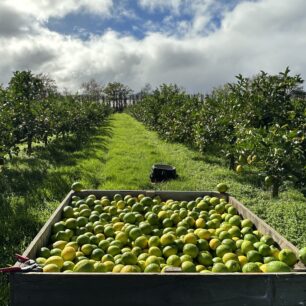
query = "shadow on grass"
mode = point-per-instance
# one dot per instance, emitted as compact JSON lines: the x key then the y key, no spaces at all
{"x":4,"y":290}
{"x":65,"y":152}
{"x":210,"y":159}
{"x":249,"y":176}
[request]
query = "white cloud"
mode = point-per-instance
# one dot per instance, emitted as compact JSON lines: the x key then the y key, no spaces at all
{"x":263,"y":35}
{"x":43,"y":9}
{"x":161,"y":4}
{"x":202,"y":12}
{"x":13,"y":23}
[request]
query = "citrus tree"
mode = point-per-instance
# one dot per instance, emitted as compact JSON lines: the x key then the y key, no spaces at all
{"x":8,"y":140}
{"x":258,"y":121}
{"x":32,"y":110}
{"x":219,"y":117}
{"x":274,"y":127}
{"x":170,"y":111}
{"x":173,"y":105}
{"x":24,"y":95}
{"x":280,"y":154}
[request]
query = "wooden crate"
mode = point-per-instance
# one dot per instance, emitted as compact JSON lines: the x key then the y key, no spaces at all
{"x":177,"y":288}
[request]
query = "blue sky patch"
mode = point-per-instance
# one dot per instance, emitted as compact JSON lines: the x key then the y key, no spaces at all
{"x":129,"y":18}
{"x":132,"y":20}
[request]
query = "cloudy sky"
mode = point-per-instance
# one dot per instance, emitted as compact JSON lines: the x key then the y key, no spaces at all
{"x":197,"y":44}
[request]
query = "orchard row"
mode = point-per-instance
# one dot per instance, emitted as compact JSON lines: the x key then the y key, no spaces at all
{"x":32,"y":110}
{"x":256,"y":122}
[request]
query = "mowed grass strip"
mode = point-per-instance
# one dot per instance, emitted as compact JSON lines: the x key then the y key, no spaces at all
{"x":133,"y":150}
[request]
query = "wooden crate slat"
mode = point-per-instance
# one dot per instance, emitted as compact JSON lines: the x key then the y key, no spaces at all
{"x":43,"y":235}
{"x":160,"y":289}
{"x":266,"y":229}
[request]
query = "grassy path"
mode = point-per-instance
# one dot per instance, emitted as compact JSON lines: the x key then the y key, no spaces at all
{"x":133,"y":149}
{"x":31,"y":188}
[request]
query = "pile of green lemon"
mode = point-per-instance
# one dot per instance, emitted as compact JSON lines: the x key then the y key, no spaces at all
{"x":142,"y":234}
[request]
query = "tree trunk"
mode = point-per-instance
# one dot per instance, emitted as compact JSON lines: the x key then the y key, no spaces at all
{"x":46,"y":140}
{"x":29,"y":141}
{"x":231,"y":165}
{"x":125,"y":102}
{"x":275,"y":189}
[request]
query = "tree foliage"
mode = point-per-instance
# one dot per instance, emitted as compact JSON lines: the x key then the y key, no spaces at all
{"x":164,"y":110}
{"x":92,"y":89}
{"x":32,"y":110}
{"x":117,"y":95}
{"x":257,"y":121}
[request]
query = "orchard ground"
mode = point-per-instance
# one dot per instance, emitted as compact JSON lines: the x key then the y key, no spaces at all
{"x":121,"y":158}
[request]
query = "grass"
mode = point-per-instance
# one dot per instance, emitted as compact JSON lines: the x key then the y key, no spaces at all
{"x":31,"y":188}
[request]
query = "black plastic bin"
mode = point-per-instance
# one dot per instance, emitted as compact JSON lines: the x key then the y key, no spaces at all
{"x":162,"y":172}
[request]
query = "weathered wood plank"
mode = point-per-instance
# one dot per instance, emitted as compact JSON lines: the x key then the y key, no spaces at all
{"x":261,"y":225}
{"x":43,"y":236}
{"x":266,"y":229}
{"x":159,"y":289}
